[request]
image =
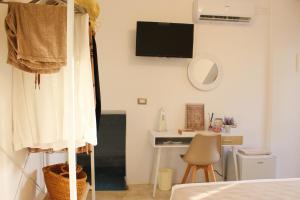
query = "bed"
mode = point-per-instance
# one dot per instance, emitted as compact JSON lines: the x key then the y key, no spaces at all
{"x":275,"y":189}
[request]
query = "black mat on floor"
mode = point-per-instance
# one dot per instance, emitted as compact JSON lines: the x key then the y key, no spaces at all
{"x":109,"y":178}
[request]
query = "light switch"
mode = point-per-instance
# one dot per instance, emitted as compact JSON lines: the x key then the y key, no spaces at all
{"x":142,"y":101}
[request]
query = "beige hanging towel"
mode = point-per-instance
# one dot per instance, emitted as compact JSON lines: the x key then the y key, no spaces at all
{"x":36,"y":37}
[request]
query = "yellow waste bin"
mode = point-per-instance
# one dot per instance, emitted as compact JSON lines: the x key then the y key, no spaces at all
{"x":165,"y":179}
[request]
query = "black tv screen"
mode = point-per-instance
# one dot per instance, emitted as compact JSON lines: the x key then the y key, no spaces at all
{"x":164,"y":39}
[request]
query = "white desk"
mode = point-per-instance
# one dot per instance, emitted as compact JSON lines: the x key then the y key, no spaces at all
{"x":160,"y":140}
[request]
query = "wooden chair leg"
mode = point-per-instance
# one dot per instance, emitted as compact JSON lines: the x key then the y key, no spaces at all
{"x":194,"y":174}
{"x":212,"y":171}
{"x":206,"y":174}
{"x":186,"y":174}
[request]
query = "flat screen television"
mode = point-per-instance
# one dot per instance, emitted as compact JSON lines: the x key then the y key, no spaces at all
{"x":160,"y":39}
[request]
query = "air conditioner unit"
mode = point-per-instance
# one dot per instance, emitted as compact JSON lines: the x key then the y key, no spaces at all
{"x":223,"y":10}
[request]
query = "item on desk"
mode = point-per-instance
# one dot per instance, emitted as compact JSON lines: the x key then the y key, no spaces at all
{"x":229,"y":121}
{"x":227,"y":128}
{"x":162,"y":122}
{"x":218,"y":122}
{"x":210,"y":120}
{"x":194,"y":117}
{"x":216,"y":129}
{"x":228,"y":124}
{"x":182,"y":131}
{"x":218,"y":125}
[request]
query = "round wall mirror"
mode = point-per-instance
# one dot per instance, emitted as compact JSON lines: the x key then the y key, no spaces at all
{"x":204,"y":74}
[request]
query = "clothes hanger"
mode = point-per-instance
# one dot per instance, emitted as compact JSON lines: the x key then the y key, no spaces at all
{"x":34,"y":1}
{"x":78,"y":9}
{"x":7,"y":2}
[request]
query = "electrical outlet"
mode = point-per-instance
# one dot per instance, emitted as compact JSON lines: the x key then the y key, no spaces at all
{"x":142,"y":101}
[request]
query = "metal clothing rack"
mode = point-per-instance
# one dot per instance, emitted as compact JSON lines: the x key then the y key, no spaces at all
{"x":70,"y":64}
{"x":71,"y":146}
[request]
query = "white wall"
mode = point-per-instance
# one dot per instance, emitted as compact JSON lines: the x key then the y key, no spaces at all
{"x":284,"y":133}
{"x":241,"y":49}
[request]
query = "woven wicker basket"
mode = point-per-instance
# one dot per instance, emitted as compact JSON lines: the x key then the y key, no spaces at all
{"x":57,"y":181}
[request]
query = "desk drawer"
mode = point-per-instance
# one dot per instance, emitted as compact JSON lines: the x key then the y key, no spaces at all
{"x":232,"y":140}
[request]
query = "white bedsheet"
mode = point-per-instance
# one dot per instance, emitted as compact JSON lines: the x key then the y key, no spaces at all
{"x":277,"y":189}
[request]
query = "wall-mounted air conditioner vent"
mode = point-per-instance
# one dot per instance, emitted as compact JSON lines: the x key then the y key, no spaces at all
{"x":224,"y":18}
{"x":223,"y":10}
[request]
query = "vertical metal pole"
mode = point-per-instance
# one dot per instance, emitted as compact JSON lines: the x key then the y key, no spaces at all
{"x":70,"y":65}
{"x":93,"y":174}
{"x":45,"y":163}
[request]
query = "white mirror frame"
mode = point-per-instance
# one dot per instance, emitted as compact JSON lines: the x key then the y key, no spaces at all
{"x":204,"y":87}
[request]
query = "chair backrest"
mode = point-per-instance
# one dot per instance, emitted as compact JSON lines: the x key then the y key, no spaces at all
{"x":204,"y":149}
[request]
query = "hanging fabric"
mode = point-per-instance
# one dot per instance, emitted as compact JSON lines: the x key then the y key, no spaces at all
{"x":36,"y":42}
{"x":95,"y":67}
{"x":41,"y":119}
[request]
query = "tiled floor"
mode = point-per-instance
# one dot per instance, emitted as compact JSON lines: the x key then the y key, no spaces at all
{"x":135,"y":192}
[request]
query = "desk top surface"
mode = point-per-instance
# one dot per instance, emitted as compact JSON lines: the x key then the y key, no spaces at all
{"x":175,"y":134}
